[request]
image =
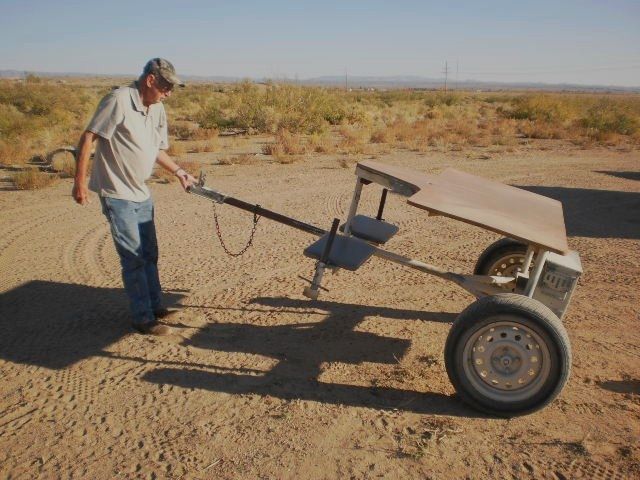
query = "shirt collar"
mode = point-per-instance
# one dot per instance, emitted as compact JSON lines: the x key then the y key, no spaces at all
{"x":135,"y":98}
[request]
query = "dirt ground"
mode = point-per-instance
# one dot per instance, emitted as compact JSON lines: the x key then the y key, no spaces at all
{"x":260,"y":382}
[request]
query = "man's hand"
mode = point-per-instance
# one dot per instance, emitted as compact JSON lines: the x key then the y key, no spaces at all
{"x":80,"y":193}
{"x":186,"y":179}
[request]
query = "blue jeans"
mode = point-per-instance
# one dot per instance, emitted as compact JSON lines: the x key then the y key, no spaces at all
{"x":134,"y":234}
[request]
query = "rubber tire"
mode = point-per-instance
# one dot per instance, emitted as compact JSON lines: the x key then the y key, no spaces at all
{"x":537,"y":317}
{"x":495,"y":251}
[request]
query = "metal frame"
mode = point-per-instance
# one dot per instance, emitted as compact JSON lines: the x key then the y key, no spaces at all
{"x":477,"y":285}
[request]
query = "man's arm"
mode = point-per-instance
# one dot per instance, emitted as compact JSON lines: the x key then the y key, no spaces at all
{"x":164,"y":160}
{"x":80,"y":191}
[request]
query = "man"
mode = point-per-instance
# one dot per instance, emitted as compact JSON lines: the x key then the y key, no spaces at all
{"x":130,"y":127}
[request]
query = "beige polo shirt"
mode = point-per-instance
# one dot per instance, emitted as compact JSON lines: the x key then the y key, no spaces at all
{"x":130,"y":136}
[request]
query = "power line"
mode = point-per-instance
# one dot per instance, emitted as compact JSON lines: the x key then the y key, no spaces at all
{"x":446,"y":74}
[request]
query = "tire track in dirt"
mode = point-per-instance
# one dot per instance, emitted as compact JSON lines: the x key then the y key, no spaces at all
{"x":80,"y":257}
{"x":27,"y":239}
{"x":107,"y":260}
{"x":576,"y":468}
{"x":23,"y":227}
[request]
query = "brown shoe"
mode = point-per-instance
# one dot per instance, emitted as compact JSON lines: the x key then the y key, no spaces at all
{"x":154,"y":328}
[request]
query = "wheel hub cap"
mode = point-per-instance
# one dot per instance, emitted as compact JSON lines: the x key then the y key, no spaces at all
{"x":506,"y":357}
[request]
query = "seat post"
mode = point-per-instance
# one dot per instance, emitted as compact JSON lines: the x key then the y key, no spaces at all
{"x":383,"y":199}
{"x":354,"y":205}
{"x":313,"y":290}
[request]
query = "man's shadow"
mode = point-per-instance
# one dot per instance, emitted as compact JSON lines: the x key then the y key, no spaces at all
{"x":55,"y":325}
{"x":301,"y":349}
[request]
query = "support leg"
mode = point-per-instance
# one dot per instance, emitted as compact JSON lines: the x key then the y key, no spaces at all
{"x":313,"y":290}
{"x":354,"y":206}
{"x":541,"y":257}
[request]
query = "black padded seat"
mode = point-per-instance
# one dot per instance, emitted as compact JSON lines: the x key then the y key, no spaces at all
{"x":346,"y":252}
{"x":371,"y":229}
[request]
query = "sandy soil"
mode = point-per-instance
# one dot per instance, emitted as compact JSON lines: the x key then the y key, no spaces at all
{"x":263,"y":383}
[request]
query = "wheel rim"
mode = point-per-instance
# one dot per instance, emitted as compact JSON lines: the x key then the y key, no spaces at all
{"x":508,"y":265}
{"x":506,"y":360}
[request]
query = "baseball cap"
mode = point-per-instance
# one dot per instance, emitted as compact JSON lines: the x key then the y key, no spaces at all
{"x":164,"y":68}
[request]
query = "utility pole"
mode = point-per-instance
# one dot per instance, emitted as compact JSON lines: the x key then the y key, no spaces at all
{"x":346,"y":80}
{"x":446,"y":75}
{"x":456,"y":74}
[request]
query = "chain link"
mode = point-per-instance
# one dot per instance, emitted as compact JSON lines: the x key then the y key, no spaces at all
{"x":256,"y":217}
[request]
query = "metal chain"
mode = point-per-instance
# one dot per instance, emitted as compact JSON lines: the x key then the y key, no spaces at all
{"x":256,"y":217}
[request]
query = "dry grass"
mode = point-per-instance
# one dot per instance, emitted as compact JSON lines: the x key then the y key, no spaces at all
{"x":287,"y":147}
{"x":189,"y":130}
{"x":286,"y":143}
{"x":288,"y":159}
{"x":211,"y":145}
{"x":64,"y":164}
{"x":33,"y":179}
{"x":177,"y":148}
{"x":347,"y":162}
{"x":38,"y":115}
{"x":15,"y":152}
{"x":354,"y":140}
{"x":242,"y":159}
{"x":321,"y":143}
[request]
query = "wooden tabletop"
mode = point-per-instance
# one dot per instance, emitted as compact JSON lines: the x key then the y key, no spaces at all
{"x":509,"y":211}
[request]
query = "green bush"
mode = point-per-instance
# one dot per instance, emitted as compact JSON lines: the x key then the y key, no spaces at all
{"x":272,"y":107}
{"x":38,"y":115}
{"x":609,"y":117}
{"x":544,"y":108}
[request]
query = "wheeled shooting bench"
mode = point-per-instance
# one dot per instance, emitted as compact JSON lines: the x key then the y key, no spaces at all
{"x":508,"y":352}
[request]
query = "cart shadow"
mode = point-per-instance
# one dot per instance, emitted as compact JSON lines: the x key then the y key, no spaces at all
{"x":55,"y":325}
{"x":625,"y":175}
{"x":621,"y":386}
{"x":596,"y":213}
{"x":302,"y":349}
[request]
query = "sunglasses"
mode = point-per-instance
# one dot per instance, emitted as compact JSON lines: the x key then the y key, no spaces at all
{"x":162,"y":84}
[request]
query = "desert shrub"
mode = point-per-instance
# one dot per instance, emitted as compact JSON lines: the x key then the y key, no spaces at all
{"x":33,"y":179}
{"x":541,"y":130}
{"x":287,"y":159}
{"x":503,"y":132}
{"x":546,"y":108}
{"x":347,"y":162}
{"x":183,"y":130}
{"x":176,"y":148}
{"x":15,"y":152}
{"x":439,"y":98}
{"x":286,"y":143}
{"x":609,"y":117}
{"x":213,"y":115}
{"x":206,"y":134}
{"x":38,"y":116}
{"x":242,"y":159}
{"x":382,"y":135}
{"x":272,"y":107}
{"x":272,"y":149}
{"x":353,"y":140}
{"x":64,"y":163}
{"x":210,"y":145}
{"x":321,"y":143}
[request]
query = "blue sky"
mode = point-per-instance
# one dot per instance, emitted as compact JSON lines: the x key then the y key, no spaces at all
{"x":585,"y":42}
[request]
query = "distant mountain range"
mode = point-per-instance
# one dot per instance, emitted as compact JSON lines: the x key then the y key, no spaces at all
{"x":357,"y":82}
